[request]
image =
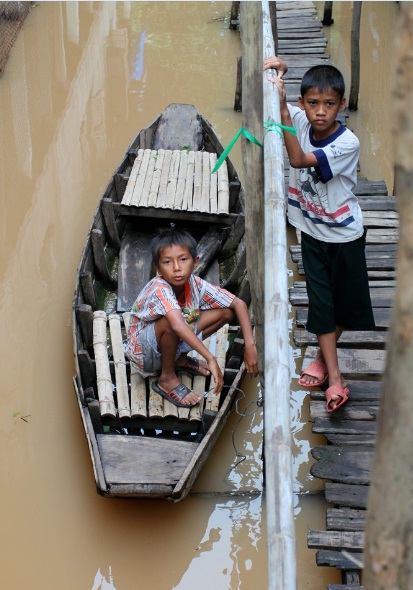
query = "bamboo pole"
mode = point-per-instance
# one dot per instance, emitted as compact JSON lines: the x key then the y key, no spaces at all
{"x":278,"y":455}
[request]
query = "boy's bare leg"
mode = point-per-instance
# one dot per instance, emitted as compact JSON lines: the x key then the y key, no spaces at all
{"x":327,"y":353}
{"x":168,"y":344}
{"x":210,"y":321}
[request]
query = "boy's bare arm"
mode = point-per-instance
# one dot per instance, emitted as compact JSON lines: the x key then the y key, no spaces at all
{"x":184,"y":332}
{"x":250,"y":355}
{"x":297,"y":157}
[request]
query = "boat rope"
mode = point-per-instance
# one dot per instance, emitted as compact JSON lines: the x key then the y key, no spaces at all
{"x":243,"y":414}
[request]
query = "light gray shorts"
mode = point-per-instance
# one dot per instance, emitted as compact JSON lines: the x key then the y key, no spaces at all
{"x":152,"y":357}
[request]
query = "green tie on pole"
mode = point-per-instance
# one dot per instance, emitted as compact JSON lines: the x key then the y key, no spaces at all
{"x":231,"y":144}
{"x":268,"y":126}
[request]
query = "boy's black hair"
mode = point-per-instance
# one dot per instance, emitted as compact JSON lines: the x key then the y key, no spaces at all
{"x":167,"y":237}
{"x":323,"y":77}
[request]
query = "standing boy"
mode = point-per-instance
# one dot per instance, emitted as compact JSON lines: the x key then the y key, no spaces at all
{"x":174,"y":312}
{"x":321,"y":203}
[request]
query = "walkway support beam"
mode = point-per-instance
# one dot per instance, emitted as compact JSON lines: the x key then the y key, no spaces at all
{"x":282,"y":569}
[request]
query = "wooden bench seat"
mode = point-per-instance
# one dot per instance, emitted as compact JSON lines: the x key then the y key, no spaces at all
{"x":179,"y":180}
{"x":123,"y":394}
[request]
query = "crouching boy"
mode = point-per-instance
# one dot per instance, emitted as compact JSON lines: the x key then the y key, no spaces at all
{"x":174,"y":312}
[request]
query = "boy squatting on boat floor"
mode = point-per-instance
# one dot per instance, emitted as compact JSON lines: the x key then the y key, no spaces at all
{"x":174,"y":312}
{"x":321,"y":203}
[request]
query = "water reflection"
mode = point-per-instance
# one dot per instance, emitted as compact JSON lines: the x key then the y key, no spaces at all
{"x":231,"y":559}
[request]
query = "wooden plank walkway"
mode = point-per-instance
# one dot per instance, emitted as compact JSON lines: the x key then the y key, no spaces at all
{"x":345,"y":461}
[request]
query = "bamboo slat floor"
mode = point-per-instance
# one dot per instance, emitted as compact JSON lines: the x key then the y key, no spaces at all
{"x":345,"y":461}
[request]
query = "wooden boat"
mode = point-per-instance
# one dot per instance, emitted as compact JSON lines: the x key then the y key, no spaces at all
{"x":140,"y":444}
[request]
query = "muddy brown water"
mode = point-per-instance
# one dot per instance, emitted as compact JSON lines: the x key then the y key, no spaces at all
{"x":82,"y":78}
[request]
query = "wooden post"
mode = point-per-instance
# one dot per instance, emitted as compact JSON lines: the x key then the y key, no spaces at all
{"x":328,"y":12}
{"x":274,"y":28}
{"x":277,"y":426}
{"x":238,"y":89}
{"x":355,"y":56}
{"x":234,"y":17}
{"x":252,"y":157}
{"x":389,"y":550}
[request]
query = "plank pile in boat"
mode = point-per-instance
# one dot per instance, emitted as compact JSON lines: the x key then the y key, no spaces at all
{"x":178,"y":179}
{"x":350,"y":432}
{"x":142,"y":407}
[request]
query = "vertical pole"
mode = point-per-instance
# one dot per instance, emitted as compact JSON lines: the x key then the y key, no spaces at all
{"x":328,"y":12}
{"x":251,"y":38}
{"x":274,"y":28}
{"x":238,"y":89}
{"x":389,"y":549}
{"x":282,"y":568}
{"x":355,"y":56}
{"x":234,"y":16}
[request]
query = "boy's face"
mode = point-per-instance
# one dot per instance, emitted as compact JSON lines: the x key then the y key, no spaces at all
{"x":321,"y":108}
{"x":176,"y":265}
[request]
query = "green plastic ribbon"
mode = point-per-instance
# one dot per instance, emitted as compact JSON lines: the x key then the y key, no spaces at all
{"x":268,"y":126}
{"x":273,"y":126}
{"x":231,"y":144}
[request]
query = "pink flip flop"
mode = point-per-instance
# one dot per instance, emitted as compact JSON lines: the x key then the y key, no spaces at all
{"x":316,"y":370}
{"x":336,"y":393}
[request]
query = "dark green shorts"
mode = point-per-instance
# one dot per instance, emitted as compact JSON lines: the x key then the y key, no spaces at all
{"x":337,"y":285}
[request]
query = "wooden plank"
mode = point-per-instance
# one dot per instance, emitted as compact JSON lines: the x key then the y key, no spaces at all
{"x":336,"y":539}
{"x":346,"y":519}
{"x":120,"y":366}
{"x":198,"y":386}
{"x":138,"y":385}
{"x":361,"y":339}
{"x":206,"y":182}
{"x":144,"y":196}
{"x":172,"y":179}
{"x":142,"y":460}
{"x":213,"y":191}
{"x":140,"y":180}
{"x":155,"y":404}
{"x":104,"y":379}
{"x":127,"y":197}
{"x":197,"y":192}
{"x":180,"y":186}
{"x":212,"y":401}
{"x":382,"y":317}
{"x":189,"y":182}
{"x":186,"y":379}
{"x":361,"y":391}
{"x":343,"y":465}
{"x":138,"y":393}
{"x":352,"y":496}
{"x":156,"y":179}
{"x":356,"y":412}
{"x":346,"y":439}
{"x":163,"y":182}
{"x":380,"y":296}
{"x":354,"y":362}
{"x":135,"y":266}
{"x":223,"y":189}
{"x":348,"y":427}
{"x":185,"y":216}
{"x":342,"y":560}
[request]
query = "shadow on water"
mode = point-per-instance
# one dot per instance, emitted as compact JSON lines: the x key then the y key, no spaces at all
{"x":83,"y":77}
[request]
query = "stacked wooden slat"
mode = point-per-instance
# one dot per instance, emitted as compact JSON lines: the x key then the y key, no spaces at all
{"x":178,"y":179}
{"x":144,"y":405}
